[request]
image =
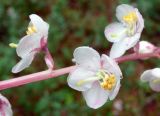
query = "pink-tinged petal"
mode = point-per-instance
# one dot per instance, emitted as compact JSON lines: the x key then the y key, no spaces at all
{"x":115,"y":32}
{"x":155,"y":86}
{"x":117,"y":50}
{"x":96,"y":96}
{"x":87,"y":57}
{"x":77,"y":77}
{"x":147,"y":76}
{"x":156,"y":72}
{"x":5,"y":107}
{"x":122,"y":10}
{"x":130,"y":42}
{"x":27,"y":44}
{"x":115,"y":91}
{"x":24,"y":63}
{"x":41,"y":26}
{"x":140,"y":23}
{"x":110,"y":65}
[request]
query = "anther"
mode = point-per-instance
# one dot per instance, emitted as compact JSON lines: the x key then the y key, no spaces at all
{"x":31,"y":30}
{"x":13,"y":45}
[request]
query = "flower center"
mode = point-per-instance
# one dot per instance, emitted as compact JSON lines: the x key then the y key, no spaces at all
{"x":130,"y":18}
{"x":31,"y":29}
{"x":107,"y":80}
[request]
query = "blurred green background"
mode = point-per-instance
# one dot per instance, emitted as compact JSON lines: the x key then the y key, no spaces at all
{"x":75,"y":23}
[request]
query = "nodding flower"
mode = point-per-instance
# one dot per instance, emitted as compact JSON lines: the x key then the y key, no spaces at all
{"x":126,"y":33}
{"x":34,"y":41}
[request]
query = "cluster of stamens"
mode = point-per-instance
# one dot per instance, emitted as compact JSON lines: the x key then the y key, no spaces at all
{"x":130,"y":18}
{"x":31,"y":29}
{"x":108,"y":82}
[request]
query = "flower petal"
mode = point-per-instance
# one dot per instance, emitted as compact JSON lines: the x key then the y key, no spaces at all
{"x":24,"y":63}
{"x":5,"y":107}
{"x":110,"y":65}
{"x":155,"y":86}
{"x":87,"y":57}
{"x":131,"y":41}
{"x":96,"y":96}
{"x":122,"y":10}
{"x":115,"y":32}
{"x":78,"y":75}
{"x":117,"y":50}
{"x":140,"y":23}
{"x":40,"y":25}
{"x":147,"y":76}
{"x":156,"y":72}
{"x":114,"y":93}
{"x":27,"y":44}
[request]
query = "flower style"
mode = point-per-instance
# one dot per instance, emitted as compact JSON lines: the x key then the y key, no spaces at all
{"x":126,"y":33}
{"x":98,"y":78}
{"x":5,"y":107}
{"x":153,"y":77}
{"x":33,"y":42}
{"x":145,"y":47}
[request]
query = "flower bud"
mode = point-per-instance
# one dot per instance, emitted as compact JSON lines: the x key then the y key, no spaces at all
{"x":145,"y":47}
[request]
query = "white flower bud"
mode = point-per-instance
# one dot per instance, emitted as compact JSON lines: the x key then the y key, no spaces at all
{"x":145,"y":47}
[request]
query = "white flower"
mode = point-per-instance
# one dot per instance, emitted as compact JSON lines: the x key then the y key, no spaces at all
{"x":153,"y":77}
{"x":97,"y":77}
{"x":145,"y":47}
{"x":126,"y":33}
{"x":30,"y":44}
{"x":5,"y":107}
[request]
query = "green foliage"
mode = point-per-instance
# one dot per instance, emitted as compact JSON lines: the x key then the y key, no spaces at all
{"x":73,"y":23}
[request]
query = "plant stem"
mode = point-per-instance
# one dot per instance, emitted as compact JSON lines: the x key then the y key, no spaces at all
{"x":34,"y":77}
{"x":54,"y":73}
{"x":134,"y":56}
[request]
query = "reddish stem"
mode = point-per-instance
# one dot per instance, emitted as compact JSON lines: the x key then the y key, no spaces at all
{"x":34,"y":77}
{"x":54,"y":73}
{"x":134,"y":56}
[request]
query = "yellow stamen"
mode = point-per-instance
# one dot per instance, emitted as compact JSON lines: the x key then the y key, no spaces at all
{"x":31,"y":29}
{"x":34,"y":29}
{"x":130,"y":18}
{"x":13,"y":45}
{"x":108,"y":82}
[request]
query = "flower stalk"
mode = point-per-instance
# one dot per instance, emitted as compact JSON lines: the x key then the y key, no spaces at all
{"x":43,"y":75}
